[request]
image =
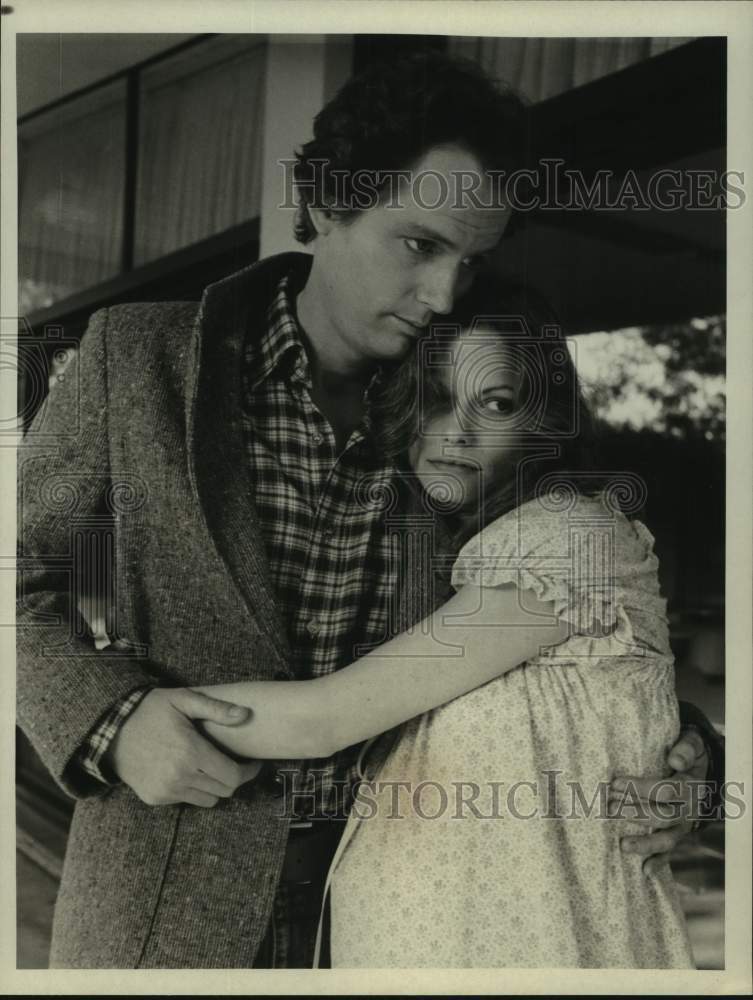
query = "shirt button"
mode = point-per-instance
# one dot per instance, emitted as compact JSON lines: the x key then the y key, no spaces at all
{"x":313,"y":626}
{"x":318,"y":439}
{"x":278,"y":785}
{"x":273,"y":781}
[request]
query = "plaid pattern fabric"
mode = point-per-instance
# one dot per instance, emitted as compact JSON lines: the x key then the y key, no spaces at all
{"x":323,"y":528}
{"x":100,"y":738}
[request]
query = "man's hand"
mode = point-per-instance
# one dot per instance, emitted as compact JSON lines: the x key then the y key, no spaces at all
{"x":160,"y":754}
{"x":669,"y":806}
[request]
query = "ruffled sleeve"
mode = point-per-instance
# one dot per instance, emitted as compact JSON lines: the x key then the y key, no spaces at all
{"x":577,"y":563}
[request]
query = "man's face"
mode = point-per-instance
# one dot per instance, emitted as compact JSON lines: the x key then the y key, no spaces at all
{"x":389,"y":270}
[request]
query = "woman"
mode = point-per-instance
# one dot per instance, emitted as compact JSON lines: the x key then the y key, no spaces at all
{"x":499,"y":852}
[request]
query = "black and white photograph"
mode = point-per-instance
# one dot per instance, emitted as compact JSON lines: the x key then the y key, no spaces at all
{"x":374,"y":495}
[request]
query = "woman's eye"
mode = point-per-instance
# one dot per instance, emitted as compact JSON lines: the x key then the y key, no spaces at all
{"x":499,"y":405}
{"x":419,"y":246}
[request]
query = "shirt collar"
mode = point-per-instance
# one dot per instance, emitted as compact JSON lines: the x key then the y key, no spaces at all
{"x":280,"y":350}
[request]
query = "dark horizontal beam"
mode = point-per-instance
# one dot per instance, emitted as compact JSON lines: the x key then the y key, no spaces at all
{"x":654,"y":112}
{"x":615,"y":229}
{"x":595,"y":283}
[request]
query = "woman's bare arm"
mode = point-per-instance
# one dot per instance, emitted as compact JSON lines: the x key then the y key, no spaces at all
{"x":479,"y":634}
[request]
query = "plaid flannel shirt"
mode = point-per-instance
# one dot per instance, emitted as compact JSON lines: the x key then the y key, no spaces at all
{"x":325,"y":538}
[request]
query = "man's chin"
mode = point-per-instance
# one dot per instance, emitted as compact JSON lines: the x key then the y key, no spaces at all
{"x":401,"y":329}
{"x":394,"y":347}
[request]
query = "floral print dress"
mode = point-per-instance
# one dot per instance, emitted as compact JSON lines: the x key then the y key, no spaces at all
{"x":482,"y":840}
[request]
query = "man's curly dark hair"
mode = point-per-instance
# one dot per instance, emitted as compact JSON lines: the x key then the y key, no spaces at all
{"x":387,"y":117}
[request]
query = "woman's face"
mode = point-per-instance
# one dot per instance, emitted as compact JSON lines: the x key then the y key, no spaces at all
{"x":469,"y":437}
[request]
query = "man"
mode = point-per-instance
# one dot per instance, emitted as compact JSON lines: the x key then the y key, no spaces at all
{"x":228,"y":442}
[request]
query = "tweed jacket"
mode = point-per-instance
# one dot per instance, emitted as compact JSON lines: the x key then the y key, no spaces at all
{"x":147,"y":430}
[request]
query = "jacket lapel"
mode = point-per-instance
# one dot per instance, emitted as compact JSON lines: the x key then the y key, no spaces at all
{"x":218,"y":461}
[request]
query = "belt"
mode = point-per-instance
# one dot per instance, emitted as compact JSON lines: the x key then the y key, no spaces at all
{"x":311,"y":843}
{"x":309,"y":852}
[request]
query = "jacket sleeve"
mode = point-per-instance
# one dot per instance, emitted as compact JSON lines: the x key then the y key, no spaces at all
{"x":91,"y":759}
{"x":65,"y":686}
{"x":692,"y":717}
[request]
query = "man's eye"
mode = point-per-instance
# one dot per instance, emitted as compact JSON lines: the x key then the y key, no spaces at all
{"x":417,"y":245}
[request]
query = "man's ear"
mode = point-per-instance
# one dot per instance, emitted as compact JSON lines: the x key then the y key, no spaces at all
{"x":322,"y":219}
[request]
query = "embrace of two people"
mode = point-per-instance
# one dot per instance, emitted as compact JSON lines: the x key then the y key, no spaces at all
{"x":359,"y":545}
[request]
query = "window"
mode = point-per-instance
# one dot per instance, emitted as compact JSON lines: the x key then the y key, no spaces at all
{"x":71,"y":176}
{"x":199,"y":144}
{"x":127,"y":172}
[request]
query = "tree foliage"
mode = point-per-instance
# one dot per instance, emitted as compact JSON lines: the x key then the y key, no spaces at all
{"x":668,"y":379}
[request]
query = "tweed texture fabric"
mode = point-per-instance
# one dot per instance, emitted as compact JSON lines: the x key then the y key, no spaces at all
{"x":145,"y":434}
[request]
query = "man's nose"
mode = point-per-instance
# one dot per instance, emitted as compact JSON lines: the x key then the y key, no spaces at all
{"x":437,"y":288}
